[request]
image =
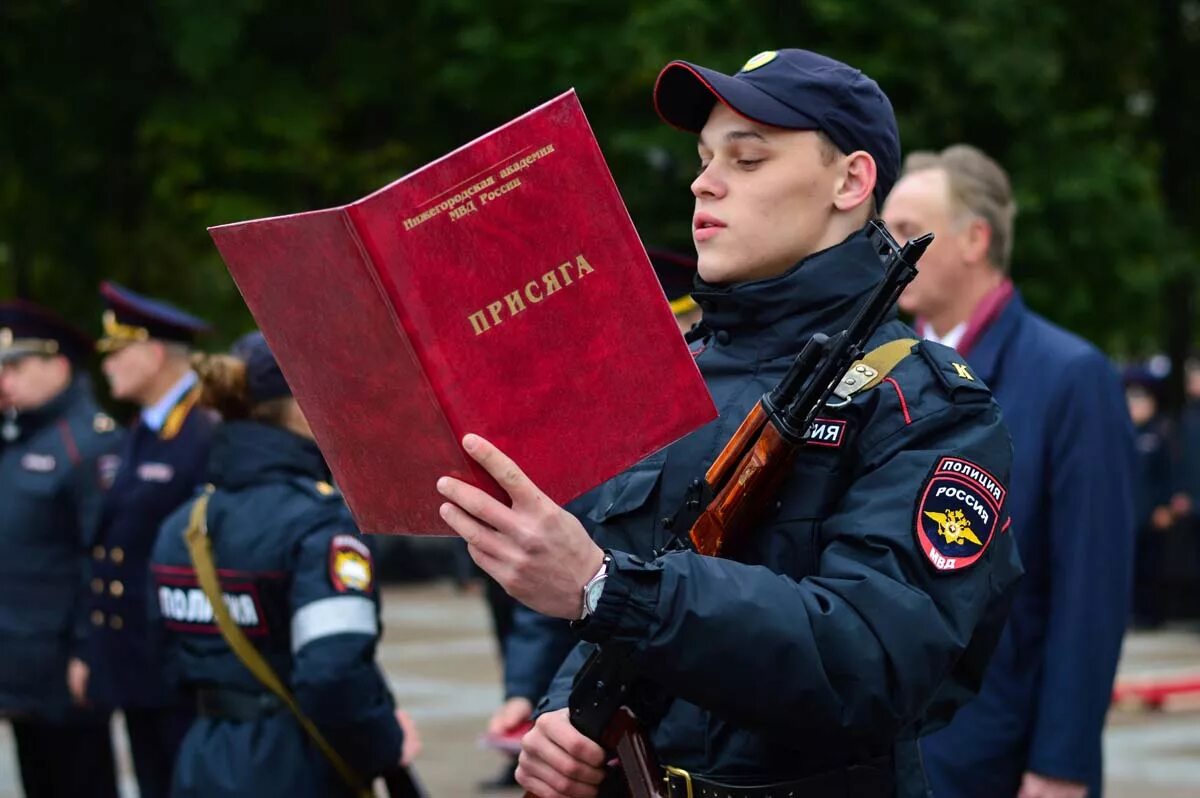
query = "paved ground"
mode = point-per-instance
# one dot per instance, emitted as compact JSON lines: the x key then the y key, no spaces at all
{"x":441,"y":659}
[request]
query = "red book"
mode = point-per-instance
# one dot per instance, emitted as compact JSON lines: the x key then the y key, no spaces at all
{"x":501,"y":290}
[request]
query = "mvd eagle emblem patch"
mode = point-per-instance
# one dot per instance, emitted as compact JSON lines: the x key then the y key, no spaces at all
{"x":958,"y":513}
{"x":350,"y":566}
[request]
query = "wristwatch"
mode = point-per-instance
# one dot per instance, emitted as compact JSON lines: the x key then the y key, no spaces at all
{"x":594,"y":588}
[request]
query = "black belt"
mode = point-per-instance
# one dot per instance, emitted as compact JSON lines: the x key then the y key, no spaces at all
{"x":228,"y":704}
{"x":869,"y":780}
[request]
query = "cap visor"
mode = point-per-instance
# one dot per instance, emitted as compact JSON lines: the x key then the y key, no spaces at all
{"x":684,"y":95}
{"x":13,"y":353}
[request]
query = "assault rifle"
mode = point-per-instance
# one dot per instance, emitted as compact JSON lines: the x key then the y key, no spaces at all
{"x":721,"y":510}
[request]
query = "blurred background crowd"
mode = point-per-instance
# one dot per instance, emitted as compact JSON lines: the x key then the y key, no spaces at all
{"x":126,"y":132}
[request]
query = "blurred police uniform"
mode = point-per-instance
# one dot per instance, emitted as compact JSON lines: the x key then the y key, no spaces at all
{"x":860,"y":614}
{"x":163,"y":461}
{"x":1187,"y":502}
{"x":1154,"y":483}
{"x":54,"y":462}
{"x":300,"y":583}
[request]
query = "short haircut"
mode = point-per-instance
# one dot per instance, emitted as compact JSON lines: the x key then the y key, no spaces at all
{"x":978,"y":186}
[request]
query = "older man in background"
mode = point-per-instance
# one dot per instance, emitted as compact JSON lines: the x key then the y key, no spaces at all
{"x":1034,"y":731}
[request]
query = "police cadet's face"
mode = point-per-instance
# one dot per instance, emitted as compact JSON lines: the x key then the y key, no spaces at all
{"x":1142,"y":404}
{"x":131,"y":369}
{"x":920,"y":203}
{"x":764,"y":198}
{"x":29,"y":382}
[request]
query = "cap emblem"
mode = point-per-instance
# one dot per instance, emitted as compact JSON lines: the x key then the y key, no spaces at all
{"x":760,"y":60}
{"x":117,"y":334}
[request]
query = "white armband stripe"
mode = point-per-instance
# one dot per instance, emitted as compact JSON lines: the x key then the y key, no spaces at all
{"x":333,"y":616}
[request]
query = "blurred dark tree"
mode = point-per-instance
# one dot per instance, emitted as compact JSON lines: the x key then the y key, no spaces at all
{"x":126,"y":129}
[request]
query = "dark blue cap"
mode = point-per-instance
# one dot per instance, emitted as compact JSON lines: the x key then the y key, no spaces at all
{"x":1141,"y":376}
{"x":30,"y":329}
{"x":264,"y":380}
{"x":131,"y":317}
{"x":792,"y":89}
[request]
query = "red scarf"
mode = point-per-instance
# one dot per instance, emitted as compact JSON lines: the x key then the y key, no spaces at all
{"x":989,"y":308}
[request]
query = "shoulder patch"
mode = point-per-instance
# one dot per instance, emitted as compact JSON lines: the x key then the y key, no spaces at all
{"x":318,"y":490}
{"x":958,"y":512}
{"x":350,"y":565}
{"x":829,"y":432}
{"x":952,"y":369}
{"x":103,"y":423}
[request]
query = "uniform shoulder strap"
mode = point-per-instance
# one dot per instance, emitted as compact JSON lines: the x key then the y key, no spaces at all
{"x":867,"y":372}
{"x":200,"y":550}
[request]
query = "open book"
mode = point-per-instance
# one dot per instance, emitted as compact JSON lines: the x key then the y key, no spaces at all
{"x":501,"y":290}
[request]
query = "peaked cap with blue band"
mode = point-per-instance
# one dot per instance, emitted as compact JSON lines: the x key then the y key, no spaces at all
{"x":132,"y":317}
{"x":795,"y":90}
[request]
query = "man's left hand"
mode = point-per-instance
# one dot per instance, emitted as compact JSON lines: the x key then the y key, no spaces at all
{"x":538,"y":552}
{"x":1035,"y":786}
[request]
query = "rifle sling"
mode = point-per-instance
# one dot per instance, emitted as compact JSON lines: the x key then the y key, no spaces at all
{"x":200,"y":550}
{"x":870,"y":370}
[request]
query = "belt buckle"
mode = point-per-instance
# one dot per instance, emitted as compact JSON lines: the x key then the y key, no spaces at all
{"x":681,"y":773}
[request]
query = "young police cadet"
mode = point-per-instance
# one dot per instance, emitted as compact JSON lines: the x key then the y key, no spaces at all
{"x":866,"y":604}
{"x":146,"y":342}
{"x":56,"y":454}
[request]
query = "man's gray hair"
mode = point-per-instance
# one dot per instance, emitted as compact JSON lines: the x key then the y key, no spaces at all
{"x":979,"y":187}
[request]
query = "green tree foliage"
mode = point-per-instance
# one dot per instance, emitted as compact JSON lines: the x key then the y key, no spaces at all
{"x":127,"y":129}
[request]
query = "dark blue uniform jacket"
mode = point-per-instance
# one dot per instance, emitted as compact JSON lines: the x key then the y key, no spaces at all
{"x":1047,"y":690}
{"x":1156,"y":478}
{"x":837,"y":637}
{"x":1189,"y":465}
{"x":50,"y":493}
{"x":159,"y":471}
{"x":299,"y":581}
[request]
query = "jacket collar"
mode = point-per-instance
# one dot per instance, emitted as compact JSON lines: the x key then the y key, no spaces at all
{"x":249,"y":452}
{"x":30,"y":421}
{"x":771,"y":318}
{"x":992,"y":342}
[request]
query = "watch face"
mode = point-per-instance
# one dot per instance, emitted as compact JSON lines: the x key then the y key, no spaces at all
{"x":593,"y":594}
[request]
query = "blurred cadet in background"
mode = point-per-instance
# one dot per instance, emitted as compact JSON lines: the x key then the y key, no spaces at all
{"x":56,"y":456}
{"x":1034,"y":729}
{"x":676,"y":273}
{"x":301,"y":584}
{"x":147,"y":343}
{"x":1152,"y":491}
{"x":1186,"y":503}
